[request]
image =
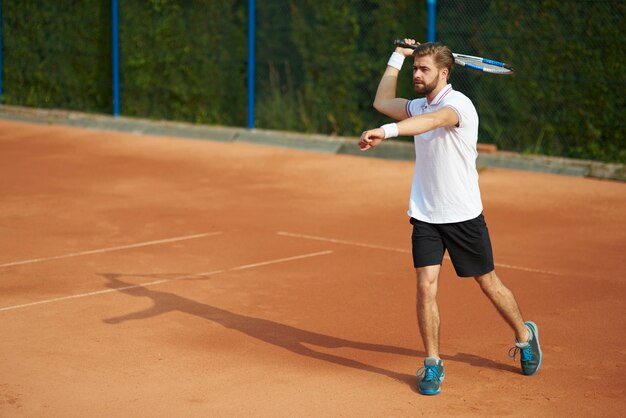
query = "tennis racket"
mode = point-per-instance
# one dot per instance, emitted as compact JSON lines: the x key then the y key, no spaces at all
{"x":469,"y":61}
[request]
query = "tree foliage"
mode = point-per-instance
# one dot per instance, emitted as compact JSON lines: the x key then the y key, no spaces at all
{"x":319,"y":61}
{"x":567,"y":96}
{"x":52,"y":59}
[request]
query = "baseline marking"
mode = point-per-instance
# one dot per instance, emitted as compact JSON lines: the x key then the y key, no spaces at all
{"x":105,"y":250}
{"x":400,"y":250}
{"x":189,"y":276}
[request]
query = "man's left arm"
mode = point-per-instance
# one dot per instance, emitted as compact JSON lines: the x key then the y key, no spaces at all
{"x":415,"y":125}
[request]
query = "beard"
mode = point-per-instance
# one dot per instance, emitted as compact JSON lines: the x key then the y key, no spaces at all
{"x":425,"y":89}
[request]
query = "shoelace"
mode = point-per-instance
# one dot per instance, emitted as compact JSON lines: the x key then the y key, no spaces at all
{"x":526,"y":353}
{"x":429,"y":373}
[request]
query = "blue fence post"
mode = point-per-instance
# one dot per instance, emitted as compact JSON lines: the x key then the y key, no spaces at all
{"x":432,"y":10}
{"x":116,"y":58}
{"x":251,"y":63}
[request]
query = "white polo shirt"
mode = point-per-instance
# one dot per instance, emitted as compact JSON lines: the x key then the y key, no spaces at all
{"x":445,"y":181}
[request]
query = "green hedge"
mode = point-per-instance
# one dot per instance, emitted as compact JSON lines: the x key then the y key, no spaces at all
{"x":183,"y":60}
{"x":319,"y":62}
{"x":57,"y":54}
{"x":567,"y":96}
{"x":319,"y":71}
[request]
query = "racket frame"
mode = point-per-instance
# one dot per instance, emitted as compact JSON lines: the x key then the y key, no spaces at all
{"x":461,"y":59}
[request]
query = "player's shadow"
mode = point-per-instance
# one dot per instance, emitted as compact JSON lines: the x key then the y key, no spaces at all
{"x":285,"y":336}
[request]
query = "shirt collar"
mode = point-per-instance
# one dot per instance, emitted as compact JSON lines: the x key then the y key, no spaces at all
{"x":444,"y":91}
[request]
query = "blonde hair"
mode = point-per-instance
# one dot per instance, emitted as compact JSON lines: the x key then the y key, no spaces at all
{"x":442,"y":55}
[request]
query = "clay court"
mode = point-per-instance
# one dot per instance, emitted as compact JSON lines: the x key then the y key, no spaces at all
{"x":162,"y":277}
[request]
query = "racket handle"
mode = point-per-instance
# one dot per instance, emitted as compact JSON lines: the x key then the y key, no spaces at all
{"x":402,"y":44}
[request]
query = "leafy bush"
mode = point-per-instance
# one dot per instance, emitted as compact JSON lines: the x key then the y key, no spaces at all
{"x":319,"y":62}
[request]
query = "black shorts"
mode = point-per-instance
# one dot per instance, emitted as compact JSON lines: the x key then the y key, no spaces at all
{"x":467,"y":243}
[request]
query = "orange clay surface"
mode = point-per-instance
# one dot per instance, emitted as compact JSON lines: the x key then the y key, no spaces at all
{"x":158,"y":277}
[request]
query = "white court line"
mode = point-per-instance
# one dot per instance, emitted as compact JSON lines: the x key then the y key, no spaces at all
{"x":189,"y":276}
{"x":399,"y":250}
{"x":105,"y":250}
{"x":280,"y":260}
{"x":338,"y":241}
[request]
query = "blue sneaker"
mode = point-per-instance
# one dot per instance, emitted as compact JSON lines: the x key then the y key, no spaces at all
{"x":430,"y":377}
{"x":530,"y":351}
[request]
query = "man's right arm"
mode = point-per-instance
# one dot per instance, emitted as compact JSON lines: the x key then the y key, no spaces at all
{"x":386,"y":101}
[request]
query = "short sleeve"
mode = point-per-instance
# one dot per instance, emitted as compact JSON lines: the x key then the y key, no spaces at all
{"x":413,"y":107}
{"x":463,"y":107}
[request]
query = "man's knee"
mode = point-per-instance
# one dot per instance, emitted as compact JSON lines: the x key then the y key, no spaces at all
{"x":489,"y":282}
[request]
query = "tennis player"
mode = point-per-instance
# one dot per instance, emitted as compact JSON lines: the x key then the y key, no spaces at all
{"x":445,"y":204}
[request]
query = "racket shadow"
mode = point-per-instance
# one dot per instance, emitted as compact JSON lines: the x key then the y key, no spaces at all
{"x":287,"y":337}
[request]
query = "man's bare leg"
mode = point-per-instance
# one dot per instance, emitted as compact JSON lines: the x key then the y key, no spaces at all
{"x":504,"y":301}
{"x":427,"y":308}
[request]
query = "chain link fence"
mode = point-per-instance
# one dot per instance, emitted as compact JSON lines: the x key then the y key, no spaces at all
{"x":569,"y":66}
{"x":318,"y":63}
{"x":52,"y":59}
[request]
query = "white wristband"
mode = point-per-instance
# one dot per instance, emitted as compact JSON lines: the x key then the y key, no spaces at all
{"x":396,"y":61}
{"x":391,"y":130}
